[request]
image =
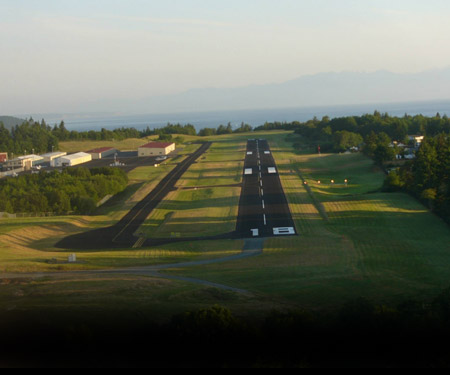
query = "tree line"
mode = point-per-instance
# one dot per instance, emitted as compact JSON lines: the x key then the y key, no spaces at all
{"x":334,"y":134}
{"x":341,"y":133}
{"x":74,"y":190}
{"x":427,"y":177}
{"x":29,"y":137}
{"x":38,"y":137}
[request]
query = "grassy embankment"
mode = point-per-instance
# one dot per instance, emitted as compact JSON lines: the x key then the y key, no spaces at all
{"x":354,"y":239}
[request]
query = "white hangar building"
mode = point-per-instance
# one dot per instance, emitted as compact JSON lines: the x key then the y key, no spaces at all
{"x":72,"y":160}
{"x":156,"y":149}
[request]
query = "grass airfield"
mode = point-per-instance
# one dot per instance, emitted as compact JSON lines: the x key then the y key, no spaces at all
{"x":354,"y":241}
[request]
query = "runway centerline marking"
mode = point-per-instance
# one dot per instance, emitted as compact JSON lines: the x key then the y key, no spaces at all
{"x":273,"y":209}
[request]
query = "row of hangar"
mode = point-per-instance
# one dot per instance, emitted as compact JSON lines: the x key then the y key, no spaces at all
{"x":62,"y":159}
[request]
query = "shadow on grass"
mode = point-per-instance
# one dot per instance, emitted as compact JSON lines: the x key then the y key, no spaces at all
{"x":178,"y":205}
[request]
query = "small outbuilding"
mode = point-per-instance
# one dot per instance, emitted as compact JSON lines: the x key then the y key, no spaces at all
{"x":103,"y":152}
{"x":156,"y":149}
{"x":3,"y":157}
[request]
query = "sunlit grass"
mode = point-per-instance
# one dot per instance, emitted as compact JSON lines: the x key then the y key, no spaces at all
{"x":354,"y":240}
{"x":194,"y":213}
{"x":207,"y":201}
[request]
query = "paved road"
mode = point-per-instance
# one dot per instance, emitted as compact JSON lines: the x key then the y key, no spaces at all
{"x":263,"y":208}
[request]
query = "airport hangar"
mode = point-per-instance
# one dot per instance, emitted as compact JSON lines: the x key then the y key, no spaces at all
{"x":103,"y":152}
{"x":156,"y":149}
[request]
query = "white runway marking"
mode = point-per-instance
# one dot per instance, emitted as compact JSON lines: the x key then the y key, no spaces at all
{"x":281,"y":231}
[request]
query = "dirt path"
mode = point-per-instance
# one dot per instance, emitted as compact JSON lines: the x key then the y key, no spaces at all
{"x":252,"y":247}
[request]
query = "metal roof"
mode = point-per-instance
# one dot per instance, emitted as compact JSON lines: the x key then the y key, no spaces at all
{"x":100,"y":150}
{"x":157,"y":145}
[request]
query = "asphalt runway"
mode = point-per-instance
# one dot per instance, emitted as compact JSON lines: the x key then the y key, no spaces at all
{"x":121,"y":235}
{"x":263,"y":207}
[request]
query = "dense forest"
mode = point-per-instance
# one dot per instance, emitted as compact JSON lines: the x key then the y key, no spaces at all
{"x":74,"y":190}
{"x":340,"y":133}
{"x":29,"y":137}
{"x":428,"y":176}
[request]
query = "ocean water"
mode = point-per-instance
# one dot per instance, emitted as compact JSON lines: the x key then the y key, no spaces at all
{"x":257,"y":117}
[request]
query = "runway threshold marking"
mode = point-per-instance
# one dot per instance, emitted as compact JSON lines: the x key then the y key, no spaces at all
{"x":282,"y":231}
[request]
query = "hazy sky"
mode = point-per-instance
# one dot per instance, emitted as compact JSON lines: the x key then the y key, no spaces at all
{"x":67,"y":55}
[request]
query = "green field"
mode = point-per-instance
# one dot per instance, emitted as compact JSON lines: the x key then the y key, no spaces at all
{"x":354,"y":240}
{"x":207,"y":199}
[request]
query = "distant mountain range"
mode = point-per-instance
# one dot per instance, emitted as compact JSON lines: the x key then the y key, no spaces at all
{"x":318,"y":90}
{"x":10,"y":121}
{"x":324,"y":89}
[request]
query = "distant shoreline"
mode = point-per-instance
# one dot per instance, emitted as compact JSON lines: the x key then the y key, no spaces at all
{"x":253,"y":117}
